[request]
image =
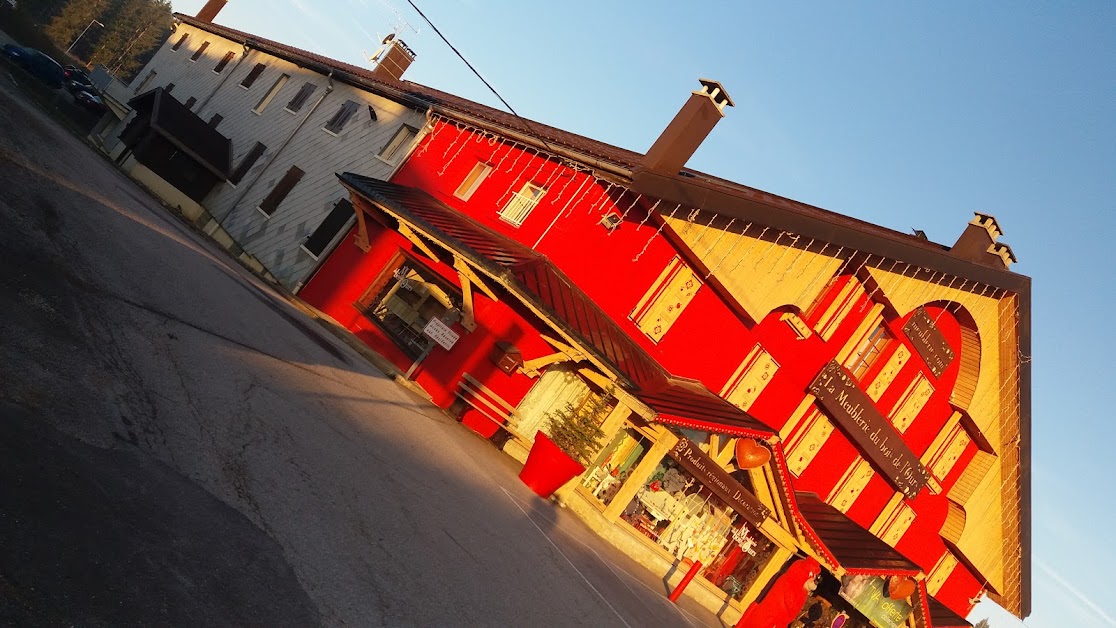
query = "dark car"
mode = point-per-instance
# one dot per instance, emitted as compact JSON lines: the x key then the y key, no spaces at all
{"x":46,"y":70}
{"x":77,"y":81}
{"x":89,"y":101}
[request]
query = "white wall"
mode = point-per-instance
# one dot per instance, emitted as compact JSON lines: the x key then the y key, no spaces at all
{"x":276,"y":240}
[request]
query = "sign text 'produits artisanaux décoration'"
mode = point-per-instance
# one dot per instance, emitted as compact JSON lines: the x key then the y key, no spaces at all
{"x":928,"y":340}
{"x":717,"y":480}
{"x":870,"y":431}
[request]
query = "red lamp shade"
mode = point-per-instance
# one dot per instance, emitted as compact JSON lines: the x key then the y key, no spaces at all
{"x":750,"y":454}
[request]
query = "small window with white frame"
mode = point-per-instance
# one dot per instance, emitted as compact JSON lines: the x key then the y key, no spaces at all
{"x":521,"y":204}
{"x":472,"y":181}
{"x":869,"y":351}
{"x":395,"y":149}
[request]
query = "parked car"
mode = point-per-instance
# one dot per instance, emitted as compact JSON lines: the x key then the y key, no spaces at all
{"x":42,"y":67}
{"x":77,"y":81}
{"x":89,"y":101}
{"x":14,"y":52}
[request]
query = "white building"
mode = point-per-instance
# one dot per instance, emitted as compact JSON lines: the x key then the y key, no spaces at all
{"x":294,"y":119}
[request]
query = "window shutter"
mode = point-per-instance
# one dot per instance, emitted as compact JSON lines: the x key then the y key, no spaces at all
{"x":333,"y":223}
{"x":247,"y":163}
{"x":301,"y":97}
{"x":200,"y":51}
{"x":215,"y":120}
{"x":281,"y":190}
{"x":181,"y":40}
{"x":253,"y":75}
{"x":224,"y":62}
{"x":337,"y":123}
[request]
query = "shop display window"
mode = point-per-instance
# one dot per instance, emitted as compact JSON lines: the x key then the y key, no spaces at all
{"x":615,"y":462}
{"x":687,"y":520}
{"x":405,"y":297}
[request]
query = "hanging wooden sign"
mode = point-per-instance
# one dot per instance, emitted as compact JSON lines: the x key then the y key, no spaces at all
{"x":878,"y":441}
{"x":929,"y":342}
{"x":719,"y":482}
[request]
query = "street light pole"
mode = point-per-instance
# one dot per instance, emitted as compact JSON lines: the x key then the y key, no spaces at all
{"x":83,"y":34}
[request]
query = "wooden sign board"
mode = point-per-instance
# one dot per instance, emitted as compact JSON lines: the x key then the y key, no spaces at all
{"x":929,"y":342}
{"x":878,"y":441}
{"x":440,"y":333}
{"x":719,"y":482}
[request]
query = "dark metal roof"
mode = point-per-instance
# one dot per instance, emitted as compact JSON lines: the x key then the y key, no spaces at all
{"x":183,"y":128}
{"x":689,"y":404}
{"x":428,"y":95}
{"x":679,"y":401}
{"x":855,"y":549}
{"x":942,"y":617}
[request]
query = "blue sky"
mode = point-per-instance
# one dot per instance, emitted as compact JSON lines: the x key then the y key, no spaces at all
{"x":906,"y":116}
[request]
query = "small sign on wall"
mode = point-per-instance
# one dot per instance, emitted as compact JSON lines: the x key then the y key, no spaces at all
{"x":440,"y":333}
{"x":928,"y":340}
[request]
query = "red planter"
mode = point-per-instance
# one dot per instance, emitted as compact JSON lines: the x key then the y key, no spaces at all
{"x":548,"y":467}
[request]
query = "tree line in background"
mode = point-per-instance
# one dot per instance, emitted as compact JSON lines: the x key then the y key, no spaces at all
{"x":132,"y":31}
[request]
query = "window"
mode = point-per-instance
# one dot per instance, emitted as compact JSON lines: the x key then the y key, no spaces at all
{"x":397,"y":147}
{"x":472,"y":181}
{"x":280,"y":191}
{"x":181,"y":40}
{"x":521,"y":204}
{"x":247,"y":163}
{"x":200,"y":51}
{"x":169,"y":88}
{"x":664,"y":301}
{"x":330,"y":227}
{"x":190,"y":102}
{"x":223,"y":62}
{"x":337,"y":122}
{"x":146,"y":81}
{"x":869,"y":351}
{"x":253,"y":75}
{"x":404,"y":298}
{"x":301,"y":97}
{"x":279,"y":83}
{"x":215,"y":120}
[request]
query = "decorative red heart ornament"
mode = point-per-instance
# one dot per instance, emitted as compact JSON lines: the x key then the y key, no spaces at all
{"x":900,"y":588}
{"x":750,"y":454}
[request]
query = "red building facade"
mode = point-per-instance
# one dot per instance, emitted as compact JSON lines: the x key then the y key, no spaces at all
{"x":880,"y":370}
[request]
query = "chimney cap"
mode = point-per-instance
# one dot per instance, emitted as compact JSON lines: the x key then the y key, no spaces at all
{"x":716,"y":91}
{"x":989,"y":222}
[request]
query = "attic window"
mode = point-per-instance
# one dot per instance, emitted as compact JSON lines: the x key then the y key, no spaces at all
{"x":181,"y":40}
{"x":200,"y":51}
{"x":253,"y":75}
{"x":394,"y":150}
{"x":339,"y":119}
{"x":224,"y":62}
{"x":301,"y":97}
{"x":472,"y":181}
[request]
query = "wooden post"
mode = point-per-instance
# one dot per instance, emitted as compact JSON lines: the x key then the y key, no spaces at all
{"x":639,"y":475}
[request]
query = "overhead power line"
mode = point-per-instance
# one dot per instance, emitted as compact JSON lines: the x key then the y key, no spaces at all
{"x":457,"y":52}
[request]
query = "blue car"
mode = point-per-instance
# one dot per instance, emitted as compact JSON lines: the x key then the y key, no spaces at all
{"x":46,"y":70}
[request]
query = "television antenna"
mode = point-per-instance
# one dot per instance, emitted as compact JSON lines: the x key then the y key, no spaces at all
{"x":401,"y":26}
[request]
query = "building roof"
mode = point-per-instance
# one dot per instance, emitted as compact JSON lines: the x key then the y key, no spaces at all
{"x":183,"y":128}
{"x":853,"y":548}
{"x":942,"y":617}
{"x":534,"y":278}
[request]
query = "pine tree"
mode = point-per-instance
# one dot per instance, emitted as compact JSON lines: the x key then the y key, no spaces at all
{"x":133,"y":29}
{"x":74,"y":17}
{"x":981,"y":624}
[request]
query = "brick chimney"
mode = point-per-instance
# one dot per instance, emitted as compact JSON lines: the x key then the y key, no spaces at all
{"x":210,"y":10}
{"x":689,"y":128}
{"x":392,"y":59}
{"x":978,"y":243}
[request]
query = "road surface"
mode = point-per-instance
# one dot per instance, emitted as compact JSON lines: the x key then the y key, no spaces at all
{"x":180,"y":446}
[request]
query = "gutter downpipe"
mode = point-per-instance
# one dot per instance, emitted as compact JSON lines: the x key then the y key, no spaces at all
{"x":275,"y":155}
{"x":423,"y":132}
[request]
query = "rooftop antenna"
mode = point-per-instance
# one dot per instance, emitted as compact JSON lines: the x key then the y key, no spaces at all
{"x":400,"y":27}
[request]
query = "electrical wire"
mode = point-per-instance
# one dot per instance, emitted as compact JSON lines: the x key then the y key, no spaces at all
{"x":492,"y":89}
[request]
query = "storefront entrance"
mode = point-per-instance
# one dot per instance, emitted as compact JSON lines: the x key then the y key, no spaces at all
{"x":404,"y":298}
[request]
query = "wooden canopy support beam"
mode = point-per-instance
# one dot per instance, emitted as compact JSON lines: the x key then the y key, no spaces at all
{"x":420,"y":244}
{"x":464,"y":270}
{"x":622,"y":395}
{"x":362,"y":209}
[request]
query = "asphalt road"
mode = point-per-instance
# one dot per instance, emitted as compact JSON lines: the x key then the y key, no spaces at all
{"x":180,"y":446}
